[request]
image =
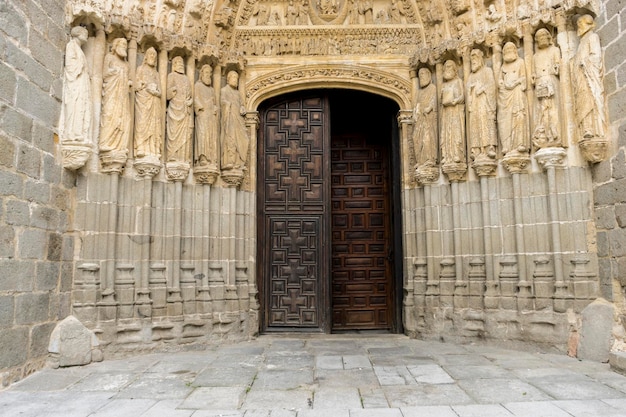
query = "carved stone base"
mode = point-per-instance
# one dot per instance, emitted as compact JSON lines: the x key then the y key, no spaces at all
{"x":147,"y":166}
{"x":455,"y":171}
{"x":113,"y":161}
{"x":206,"y":174}
{"x":177,"y":171}
{"x":75,"y":154}
{"x":427,"y":174}
{"x":594,"y":150}
{"x":516,"y":162}
{"x":233,"y":177}
{"x":484,"y":165}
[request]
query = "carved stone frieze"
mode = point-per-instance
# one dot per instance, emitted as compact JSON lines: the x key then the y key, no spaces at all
{"x":335,"y":40}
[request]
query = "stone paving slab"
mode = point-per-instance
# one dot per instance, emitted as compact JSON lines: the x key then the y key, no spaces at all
{"x":326,"y":376}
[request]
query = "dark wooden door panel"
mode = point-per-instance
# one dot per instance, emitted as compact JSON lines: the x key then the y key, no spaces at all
{"x":295,"y":268}
{"x":361,"y":274}
{"x":294,"y":207}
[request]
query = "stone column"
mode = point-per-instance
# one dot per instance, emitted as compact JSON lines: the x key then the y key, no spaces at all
{"x":163,"y":71}
{"x":524,"y":297}
{"x":567,"y":104}
{"x":174,"y":300}
{"x":143,"y":301}
{"x":132,"y":63}
{"x":108,"y":304}
{"x":550,"y":159}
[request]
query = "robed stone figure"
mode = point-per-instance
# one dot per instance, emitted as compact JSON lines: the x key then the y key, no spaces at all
{"x":76,"y":112}
{"x":545,"y":77}
{"x":148,"y":108}
{"x":587,"y":81}
{"x":452,"y":116}
{"x":115,"y":119}
{"x":513,"y":124}
{"x":481,"y":103}
{"x":234,"y":135}
{"x":179,"y":121}
{"x":425,"y":137}
{"x":207,"y":120}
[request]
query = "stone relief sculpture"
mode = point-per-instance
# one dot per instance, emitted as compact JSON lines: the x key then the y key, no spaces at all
{"x":179,"y":121}
{"x":452,"y":135}
{"x":425,"y":138}
{"x":545,"y":77}
{"x":234,"y":135}
{"x":481,"y":102}
{"x":207,"y":126}
{"x":291,"y":13}
{"x":588,"y":91}
{"x":76,"y":111}
{"x":115,"y":120}
{"x":512,"y":103}
{"x":148,"y":110}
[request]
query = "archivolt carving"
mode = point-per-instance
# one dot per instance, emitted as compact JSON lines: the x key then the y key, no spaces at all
{"x":380,"y":82}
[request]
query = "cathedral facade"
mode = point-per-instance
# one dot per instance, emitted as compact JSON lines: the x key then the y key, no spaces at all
{"x":212,"y":170}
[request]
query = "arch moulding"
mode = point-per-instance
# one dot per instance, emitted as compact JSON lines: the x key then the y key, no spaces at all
{"x":307,"y":77}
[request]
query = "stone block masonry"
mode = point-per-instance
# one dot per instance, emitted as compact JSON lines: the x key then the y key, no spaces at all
{"x":609,"y":176}
{"x":35,"y":194}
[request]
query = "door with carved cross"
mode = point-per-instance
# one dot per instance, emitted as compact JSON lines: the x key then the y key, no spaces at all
{"x":325,"y":229}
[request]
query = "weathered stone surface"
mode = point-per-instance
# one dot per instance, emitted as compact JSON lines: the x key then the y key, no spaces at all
{"x":595,"y":335}
{"x":13,"y":344}
{"x":71,"y":343}
{"x":32,"y":307}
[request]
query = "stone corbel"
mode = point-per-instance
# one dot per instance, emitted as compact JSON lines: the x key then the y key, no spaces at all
{"x":551,"y":157}
{"x":75,"y":154}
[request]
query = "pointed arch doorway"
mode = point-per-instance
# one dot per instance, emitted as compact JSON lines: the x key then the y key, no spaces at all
{"x":329,"y":233}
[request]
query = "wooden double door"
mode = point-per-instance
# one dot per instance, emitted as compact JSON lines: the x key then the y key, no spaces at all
{"x":325,"y":238}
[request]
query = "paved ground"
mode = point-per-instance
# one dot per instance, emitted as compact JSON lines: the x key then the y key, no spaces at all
{"x":326,"y":376}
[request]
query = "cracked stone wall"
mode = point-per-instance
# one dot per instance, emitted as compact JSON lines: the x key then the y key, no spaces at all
{"x":610,"y":176}
{"x":35,"y":192}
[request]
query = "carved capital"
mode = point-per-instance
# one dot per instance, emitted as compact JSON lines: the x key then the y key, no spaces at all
{"x":484,"y":165}
{"x":147,"y":166}
{"x":233,"y":177}
{"x":177,"y":171}
{"x":427,"y":174}
{"x":75,"y":154}
{"x":455,"y":171}
{"x":206,"y":174}
{"x":516,"y":162}
{"x":551,"y":157}
{"x":113,"y":162}
{"x":594,"y":150}
{"x":405,"y":116}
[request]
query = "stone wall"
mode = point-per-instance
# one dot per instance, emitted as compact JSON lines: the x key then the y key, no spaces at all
{"x":610,"y":176}
{"x":35,"y":192}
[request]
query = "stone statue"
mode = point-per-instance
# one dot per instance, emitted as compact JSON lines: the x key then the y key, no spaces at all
{"x":179,"y":122}
{"x":115,"y":119}
{"x":366,"y":9}
{"x":207,"y":119}
{"x":425,"y":138}
{"x":452,"y":135}
{"x":545,"y":77}
{"x":76,"y":112}
{"x":481,"y":102}
{"x":512,"y":102}
{"x":262,"y":14}
{"x":234,"y":135}
{"x":148,"y":109}
{"x":587,"y":81}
